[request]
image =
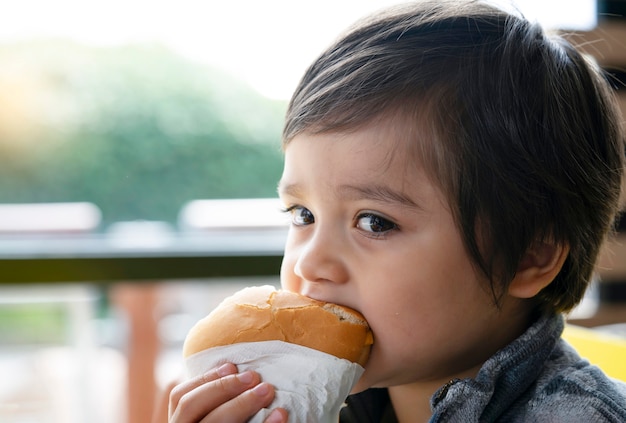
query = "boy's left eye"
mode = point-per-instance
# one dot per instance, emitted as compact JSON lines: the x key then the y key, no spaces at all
{"x":375,"y":224}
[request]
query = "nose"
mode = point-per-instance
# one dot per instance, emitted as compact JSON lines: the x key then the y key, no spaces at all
{"x":321,"y":256}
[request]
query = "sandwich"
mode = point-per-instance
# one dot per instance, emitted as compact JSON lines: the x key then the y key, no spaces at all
{"x":262,"y":313}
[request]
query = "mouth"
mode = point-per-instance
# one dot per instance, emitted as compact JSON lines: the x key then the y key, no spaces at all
{"x":332,"y":299}
{"x":334,"y":296}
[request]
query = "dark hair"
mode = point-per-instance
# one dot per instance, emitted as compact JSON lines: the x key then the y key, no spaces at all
{"x":524,"y":133}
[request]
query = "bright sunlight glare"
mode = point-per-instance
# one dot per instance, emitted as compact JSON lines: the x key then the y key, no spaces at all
{"x":267,"y":43}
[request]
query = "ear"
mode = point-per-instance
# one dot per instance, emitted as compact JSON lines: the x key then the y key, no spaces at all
{"x":538,"y":268}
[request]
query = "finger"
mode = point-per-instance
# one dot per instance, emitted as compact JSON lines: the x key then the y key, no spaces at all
{"x":242,"y":407}
{"x":202,"y":400}
{"x":279,"y":415}
{"x":188,"y":386}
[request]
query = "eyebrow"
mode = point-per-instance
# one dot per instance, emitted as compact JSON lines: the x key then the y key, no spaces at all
{"x":378,"y":193}
{"x":292,"y":190}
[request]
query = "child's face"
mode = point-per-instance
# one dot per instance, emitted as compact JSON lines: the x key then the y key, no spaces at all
{"x":370,"y":231}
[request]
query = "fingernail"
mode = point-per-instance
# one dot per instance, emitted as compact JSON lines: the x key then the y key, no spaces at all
{"x":245,"y":377}
{"x":274,"y":417}
{"x":262,"y":389}
{"x":225,"y":370}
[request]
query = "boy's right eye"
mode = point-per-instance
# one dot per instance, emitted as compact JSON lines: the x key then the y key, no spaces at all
{"x":301,"y":216}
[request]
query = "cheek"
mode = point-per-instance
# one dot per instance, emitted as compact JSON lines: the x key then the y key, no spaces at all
{"x":288,"y":279}
{"x":391,"y":318}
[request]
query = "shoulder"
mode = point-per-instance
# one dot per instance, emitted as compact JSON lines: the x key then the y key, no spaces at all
{"x":570,"y":389}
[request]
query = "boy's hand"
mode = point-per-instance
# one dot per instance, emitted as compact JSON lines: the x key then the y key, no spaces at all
{"x":222,"y":395}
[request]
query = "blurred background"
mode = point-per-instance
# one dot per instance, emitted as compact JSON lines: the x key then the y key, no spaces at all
{"x":139,"y":156}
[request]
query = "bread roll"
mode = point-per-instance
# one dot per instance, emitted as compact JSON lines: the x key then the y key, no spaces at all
{"x":264,"y":314}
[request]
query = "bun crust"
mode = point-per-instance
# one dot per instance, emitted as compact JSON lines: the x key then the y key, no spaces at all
{"x":262,"y":313}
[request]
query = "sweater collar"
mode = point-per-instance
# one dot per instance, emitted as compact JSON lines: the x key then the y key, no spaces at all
{"x":501,"y":378}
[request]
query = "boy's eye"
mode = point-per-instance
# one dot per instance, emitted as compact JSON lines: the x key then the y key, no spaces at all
{"x":301,"y":216}
{"x":375,"y":224}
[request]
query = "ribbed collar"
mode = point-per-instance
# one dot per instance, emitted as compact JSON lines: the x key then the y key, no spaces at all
{"x":501,"y":379}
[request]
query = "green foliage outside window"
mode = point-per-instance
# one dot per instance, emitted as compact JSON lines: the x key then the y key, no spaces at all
{"x":137,"y":130}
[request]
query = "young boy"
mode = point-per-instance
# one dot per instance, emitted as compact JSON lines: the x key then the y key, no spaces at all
{"x":451,"y":172}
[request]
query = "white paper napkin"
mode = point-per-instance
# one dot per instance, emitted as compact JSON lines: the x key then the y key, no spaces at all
{"x":310,"y":384}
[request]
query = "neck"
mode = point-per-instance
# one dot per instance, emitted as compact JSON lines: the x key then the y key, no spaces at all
{"x":411,"y":402}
